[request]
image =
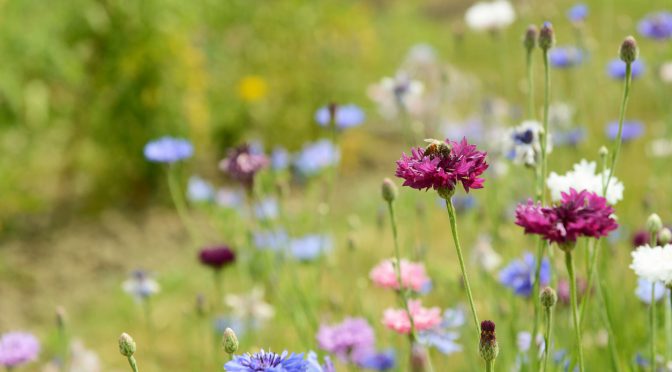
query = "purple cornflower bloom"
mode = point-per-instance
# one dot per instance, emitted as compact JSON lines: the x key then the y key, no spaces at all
{"x":267,"y":362}
{"x":578,"y":13}
{"x":519,"y":274}
{"x":616,"y":69}
{"x":565,"y":57}
{"x":656,"y":26}
{"x":310,"y":247}
{"x":578,"y":214}
{"x":631,"y":130}
{"x":242,"y":164}
{"x":316,"y":156}
{"x":217,"y":257}
{"x":643,"y":290}
{"x":18,"y":348}
{"x":349,"y":340}
{"x":168,"y":150}
{"x":346,"y":116}
{"x":442,"y":165}
{"x":378,"y":361}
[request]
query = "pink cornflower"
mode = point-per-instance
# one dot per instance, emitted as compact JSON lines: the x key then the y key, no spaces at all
{"x":423,"y":318}
{"x":442,"y":165}
{"x":578,"y":214}
{"x":242,"y":164}
{"x":413,"y":275}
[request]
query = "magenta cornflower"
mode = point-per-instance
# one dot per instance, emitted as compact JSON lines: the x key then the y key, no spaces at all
{"x":242,"y":164}
{"x":578,"y":214}
{"x":442,"y":165}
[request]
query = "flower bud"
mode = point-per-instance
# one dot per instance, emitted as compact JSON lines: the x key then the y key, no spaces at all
{"x":548,"y":297}
{"x":603,"y":152}
{"x":654,"y":223}
{"x":389,"y":190}
{"x":530,"y":38}
{"x":230,"y":341}
{"x":546,"y":36}
{"x":664,"y":236}
{"x":488,"y":346}
{"x":126,"y":345}
{"x":629,"y":50}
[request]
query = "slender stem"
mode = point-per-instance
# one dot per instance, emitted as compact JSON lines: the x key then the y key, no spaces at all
{"x":217,"y":277}
{"x":549,"y":335}
{"x":569,"y":262}
{"x":134,"y":365}
{"x":397,"y":267}
{"x":668,"y":324}
{"x":490,"y":366}
{"x":453,"y":227}
{"x":178,"y":200}
{"x":544,"y":135}
{"x":530,"y":86}
{"x":652,"y":323}
{"x":619,"y":136}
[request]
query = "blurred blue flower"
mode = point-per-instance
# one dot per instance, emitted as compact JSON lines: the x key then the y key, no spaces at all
{"x":168,"y":150}
{"x":256,"y":147}
{"x":656,"y":26}
{"x":267,"y":209}
{"x":565,"y":57}
{"x":199,"y":190}
{"x":616,"y":68}
{"x":643,"y":290}
{"x":519,"y":274}
{"x":571,"y":137}
{"x":279,"y":159}
{"x":315,"y":366}
{"x":230,"y":198}
{"x":347,"y":116}
{"x":141,"y":285}
{"x":263,"y":361}
{"x":222,"y":322}
{"x":316,"y":156}
{"x":463,"y":203}
{"x":310,"y":247}
{"x":444,"y":337}
{"x":631,"y":130}
{"x":379,"y":361}
{"x":274,"y":240}
{"x":578,"y":12}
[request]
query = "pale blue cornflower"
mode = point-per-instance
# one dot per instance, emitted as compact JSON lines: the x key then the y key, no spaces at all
{"x":643,"y":291}
{"x":346,"y":116}
{"x":565,"y":57}
{"x":631,"y":130}
{"x":273,"y":240}
{"x":168,"y":150}
{"x":230,"y":198}
{"x":444,"y":337}
{"x":315,"y":366}
{"x":616,"y":69}
{"x":578,"y":13}
{"x":316,"y":156}
{"x":379,"y":361}
{"x":141,"y":285}
{"x":310,"y":247}
{"x":267,"y":209}
{"x":263,"y":361}
{"x":280,"y":159}
{"x":657,"y":26}
{"x":200,"y":190}
{"x":519,"y":274}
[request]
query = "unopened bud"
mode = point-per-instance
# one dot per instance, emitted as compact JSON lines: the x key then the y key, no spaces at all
{"x":389,"y":190}
{"x":629,"y":50}
{"x":126,"y":345}
{"x":530,"y":38}
{"x":664,"y":236}
{"x":230,"y":341}
{"x":548,"y":297}
{"x":546,"y":36}
{"x":654,"y":223}
{"x":603,"y":152}
{"x":488,"y":346}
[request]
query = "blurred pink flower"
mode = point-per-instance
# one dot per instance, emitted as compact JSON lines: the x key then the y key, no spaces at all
{"x":423,"y":318}
{"x":413,"y":275}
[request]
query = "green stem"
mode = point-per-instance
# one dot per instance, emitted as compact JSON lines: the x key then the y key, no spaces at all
{"x":530,"y":86}
{"x":544,"y":135}
{"x":397,"y":266}
{"x":549,"y":335}
{"x":134,"y":365}
{"x":490,"y":366}
{"x":178,"y":200}
{"x":217,"y":277}
{"x":619,"y":136}
{"x":668,"y":324}
{"x":652,"y":323}
{"x":453,"y":227}
{"x":569,"y":262}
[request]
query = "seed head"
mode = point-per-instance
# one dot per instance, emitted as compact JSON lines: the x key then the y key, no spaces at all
{"x":488,"y":346}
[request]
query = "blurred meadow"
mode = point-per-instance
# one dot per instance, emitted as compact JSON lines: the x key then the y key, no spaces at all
{"x":85,"y":85}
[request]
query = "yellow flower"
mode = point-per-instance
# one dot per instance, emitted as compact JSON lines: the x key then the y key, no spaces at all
{"x":252,"y":88}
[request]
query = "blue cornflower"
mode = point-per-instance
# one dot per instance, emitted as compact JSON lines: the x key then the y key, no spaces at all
{"x":316,"y":156}
{"x":578,"y":12}
{"x":199,"y":190}
{"x":519,"y":274}
{"x":643,"y":290}
{"x":565,"y":57}
{"x":267,"y":362}
{"x":168,"y":150}
{"x":279,"y":159}
{"x":273,"y":240}
{"x":309,"y":247}
{"x":267,"y":209}
{"x":315,"y":366}
{"x":656,"y":26}
{"x":347,"y":116}
{"x":230,"y":198}
{"x":631,"y":130}
{"x":378,"y":361}
{"x":444,"y":337}
{"x":616,"y":68}
{"x":571,"y":137}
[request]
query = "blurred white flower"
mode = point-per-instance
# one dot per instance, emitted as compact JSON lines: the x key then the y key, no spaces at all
{"x":666,"y":72}
{"x":490,"y":16}
{"x":522,"y":144}
{"x":583,"y":177}
{"x":653,"y":264}
{"x":83,"y":359}
{"x":561,"y":115}
{"x":250,"y":306}
{"x":660,"y":148}
{"x":141,"y":285}
{"x":397,"y":94}
{"x":524,"y":340}
{"x":484,"y":255}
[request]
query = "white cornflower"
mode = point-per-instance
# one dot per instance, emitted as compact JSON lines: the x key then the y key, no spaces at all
{"x":400,"y":93}
{"x":583,"y":177}
{"x":522,"y":144}
{"x":250,"y":306}
{"x":141,"y":285}
{"x":653,"y":264}
{"x":489,"y":16}
{"x":666,"y":72}
{"x":484,"y":255}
